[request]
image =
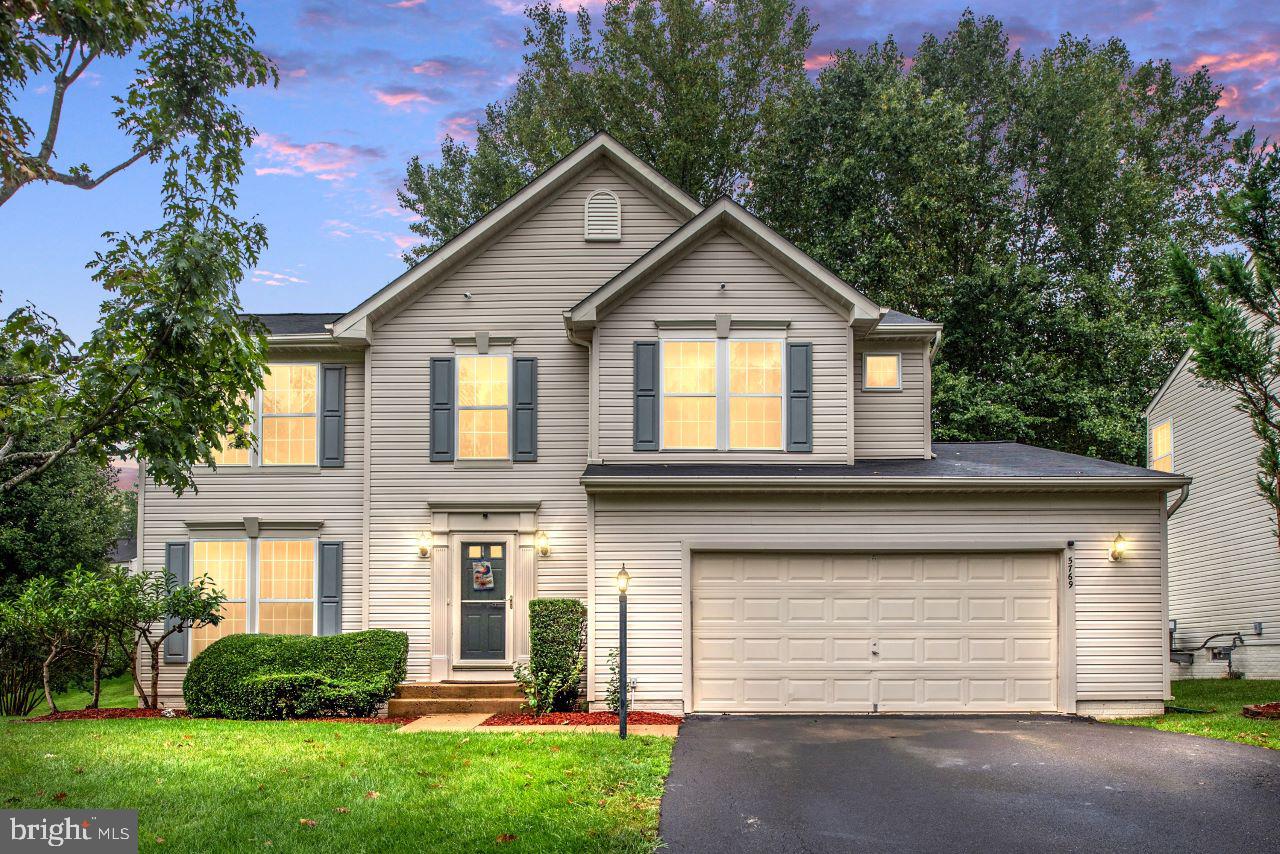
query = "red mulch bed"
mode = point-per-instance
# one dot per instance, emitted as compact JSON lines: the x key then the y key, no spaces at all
{"x":1263,"y":710}
{"x":580,"y":719}
{"x":112,"y":714}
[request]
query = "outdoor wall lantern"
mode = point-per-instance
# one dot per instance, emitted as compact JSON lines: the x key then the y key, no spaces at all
{"x":542,"y":543}
{"x":1118,"y":548}
{"x":424,"y":544}
{"x":624,"y":581}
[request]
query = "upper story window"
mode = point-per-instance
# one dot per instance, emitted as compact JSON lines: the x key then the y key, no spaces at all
{"x":286,"y":419}
{"x":882,"y":372}
{"x":484,"y":407}
{"x":722,"y":394}
{"x":270,"y":586}
{"x":602,"y":216}
{"x":1162,"y":446}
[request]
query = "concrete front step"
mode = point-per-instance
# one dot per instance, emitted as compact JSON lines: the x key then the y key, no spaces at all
{"x":405,"y":707}
{"x":458,"y":691}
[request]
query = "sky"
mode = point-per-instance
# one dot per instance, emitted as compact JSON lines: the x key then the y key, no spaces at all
{"x":366,"y":85}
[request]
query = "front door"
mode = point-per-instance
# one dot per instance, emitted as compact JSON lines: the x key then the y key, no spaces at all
{"x":484,"y":601}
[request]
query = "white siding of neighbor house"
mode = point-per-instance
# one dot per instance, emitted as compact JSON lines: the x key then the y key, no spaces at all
{"x":1224,"y":562}
{"x":1119,"y":612}
{"x":521,"y":283}
{"x":893,"y":424}
{"x":755,"y":289}
{"x":334,"y":495}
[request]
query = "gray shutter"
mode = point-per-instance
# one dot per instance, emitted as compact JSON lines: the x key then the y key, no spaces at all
{"x":177,"y":564}
{"x":330,"y":589}
{"x":800,"y":398}
{"x":441,"y":410}
{"x":333,"y":393}
{"x":524,"y":415}
{"x":645,"y":434}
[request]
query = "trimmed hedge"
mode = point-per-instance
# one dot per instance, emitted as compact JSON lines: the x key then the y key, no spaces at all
{"x":259,"y":677}
{"x":557,"y":630}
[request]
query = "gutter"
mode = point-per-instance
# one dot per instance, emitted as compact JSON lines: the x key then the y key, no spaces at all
{"x":319,"y":339}
{"x":666,"y":483}
{"x":1179,"y":501}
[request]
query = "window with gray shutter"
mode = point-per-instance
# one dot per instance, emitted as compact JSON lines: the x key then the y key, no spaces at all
{"x":603,"y":216}
{"x":441,"y":416}
{"x":524,"y":415}
{"x":645,"y":428}
{"x":177,"y":565}
{"x":333,"y":394}
{"x":800,"y":398}
{"x":330,"y":589}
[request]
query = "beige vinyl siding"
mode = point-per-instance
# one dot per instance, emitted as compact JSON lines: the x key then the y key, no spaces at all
{"x":1119,"y":624}
{"x":755,"y":290}
{"x":1224,"y":564}
{"x":333,"y":495}
{"x":893,"y":423}
{"x":520,"y":284}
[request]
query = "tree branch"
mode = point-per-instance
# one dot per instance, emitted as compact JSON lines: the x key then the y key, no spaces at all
{"x":88,"y":182}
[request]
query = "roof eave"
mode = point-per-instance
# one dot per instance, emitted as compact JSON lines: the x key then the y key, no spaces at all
{"x":663,"y":483}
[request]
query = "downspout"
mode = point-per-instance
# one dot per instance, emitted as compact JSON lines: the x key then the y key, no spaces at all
{"x":1181,"y":499}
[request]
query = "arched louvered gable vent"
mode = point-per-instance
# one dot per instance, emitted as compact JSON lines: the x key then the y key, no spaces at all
{"x":603,"y":216}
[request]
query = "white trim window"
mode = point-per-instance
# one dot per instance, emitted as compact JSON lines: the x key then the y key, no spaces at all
{"x":1161,"y":452}
{"x":882,"y":372}
{"x":723,"y":394}
{"x":286,"y":420}
{"x":270,"y":585}
{"x":483,"y":407}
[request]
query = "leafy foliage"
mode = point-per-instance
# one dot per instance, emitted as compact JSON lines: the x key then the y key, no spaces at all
{"x":1023,"y":202}
{"x":686,"y":85}
{"x":172,"y":312}
{"x":1234,"y":308}
{"x":557,"y":632}
{"x":251,"y":677}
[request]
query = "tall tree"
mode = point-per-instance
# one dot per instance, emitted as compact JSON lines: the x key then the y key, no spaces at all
{"x":688,"y":85}
{"x":1024,"y":203}
{"x":1234,"y":308}
{"x":165,"y":374}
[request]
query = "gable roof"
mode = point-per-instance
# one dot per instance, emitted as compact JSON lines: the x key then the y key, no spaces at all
{"x":1168,"y":382}
{"x":728,"y":215}
{"x":356,"y":323}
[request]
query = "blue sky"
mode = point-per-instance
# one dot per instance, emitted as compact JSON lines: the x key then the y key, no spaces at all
{"x":365,"y":85}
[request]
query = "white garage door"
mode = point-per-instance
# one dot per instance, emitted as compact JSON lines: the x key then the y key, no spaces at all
{"x":809,"y":632}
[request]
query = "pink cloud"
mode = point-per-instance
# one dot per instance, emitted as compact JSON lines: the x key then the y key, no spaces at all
{"x":405,"y":4}
{"x":818,"y":61}
{"x":1236,"y":61}
{"x":461,"y":127}
{"x":327,"y":161}
{"x":407,"y":97}
{"x":344,"y":229}
{"x":517,"y":7}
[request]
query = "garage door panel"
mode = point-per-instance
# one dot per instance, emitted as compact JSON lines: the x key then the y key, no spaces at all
{"x":854,"y":632}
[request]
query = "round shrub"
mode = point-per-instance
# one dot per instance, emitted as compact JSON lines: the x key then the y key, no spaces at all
{"x":255,"y":677}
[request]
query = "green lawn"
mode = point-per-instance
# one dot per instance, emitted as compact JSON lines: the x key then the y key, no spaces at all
{"x":206,"y":785}
{"x":117,"y":693}
{"x":1226,"y":697}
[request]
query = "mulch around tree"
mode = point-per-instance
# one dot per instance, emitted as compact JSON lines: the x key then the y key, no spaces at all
{"x":1262,"y":710}
{"x":111,"y":714}
{"x":581,"y":719}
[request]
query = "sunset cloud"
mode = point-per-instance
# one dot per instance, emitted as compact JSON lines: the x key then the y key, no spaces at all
{"x":1225,"y":63}
{"x":273,"y":279}
{"x":327,"y":161}
{"x":460,"y":126}
{"x":818,"y":61}
{"x":408,"y":97}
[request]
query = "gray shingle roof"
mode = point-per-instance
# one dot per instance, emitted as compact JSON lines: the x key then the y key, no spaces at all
{"x":296,"y":323}
{"x":953,"y":460}
{"x":901,"y":318}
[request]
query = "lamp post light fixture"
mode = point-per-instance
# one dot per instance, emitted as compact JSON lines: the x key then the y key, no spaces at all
{"x":1118,"y":548}
{"x":424,"y":544}
{"x":541,"y":544}
{"x":624,"y":581}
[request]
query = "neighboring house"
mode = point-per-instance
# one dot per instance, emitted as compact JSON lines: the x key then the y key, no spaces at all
{"x":602,"y":371}
{"x":1224,"y":562}
{"x":124,"y":553}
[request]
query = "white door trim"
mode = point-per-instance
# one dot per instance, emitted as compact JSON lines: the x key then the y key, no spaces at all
{"x":455,"y":609}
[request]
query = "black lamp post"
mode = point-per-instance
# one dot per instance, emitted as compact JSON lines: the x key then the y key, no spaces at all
{"x":624,"y":579}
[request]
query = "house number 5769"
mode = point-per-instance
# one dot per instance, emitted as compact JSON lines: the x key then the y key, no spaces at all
{"x":1071,"y":571}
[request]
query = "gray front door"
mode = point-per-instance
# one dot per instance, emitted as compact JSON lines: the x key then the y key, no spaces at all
{"x":484,"y":601}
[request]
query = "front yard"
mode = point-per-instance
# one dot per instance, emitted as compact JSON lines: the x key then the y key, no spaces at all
{"x":209,"y":785}
{"x":1225,"y":698}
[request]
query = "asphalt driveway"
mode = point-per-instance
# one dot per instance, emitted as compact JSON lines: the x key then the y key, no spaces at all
{"x":953,"y":784}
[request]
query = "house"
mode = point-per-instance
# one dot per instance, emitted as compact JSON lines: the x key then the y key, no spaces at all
{"x":602,"y":371}
{"x":1224,"y":560}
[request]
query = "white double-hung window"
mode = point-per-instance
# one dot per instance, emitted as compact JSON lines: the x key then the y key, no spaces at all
{"x":285,"y":420}
{"x":484,"y":407}
{"x":722,"y":394}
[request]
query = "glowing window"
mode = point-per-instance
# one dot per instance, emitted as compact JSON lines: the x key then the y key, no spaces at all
{"x":289,"y":415}
{"x":1162,"y":446}
{"x":229,"y":456}
{"x":882,"y":371}
{"x":226,"y":562}
{"x":755,"y":395}
{"x":286,"y":587}
{"x":689,"y":394}
{"x":484,"y":395}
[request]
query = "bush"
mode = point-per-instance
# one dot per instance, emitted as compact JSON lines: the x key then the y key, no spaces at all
{"x":557,"y":630}
{"x":255,"y":677}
